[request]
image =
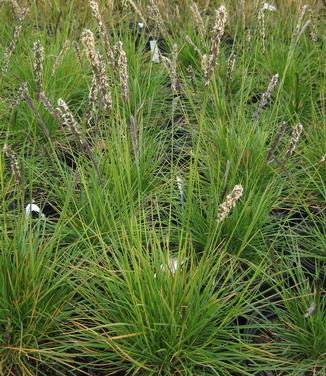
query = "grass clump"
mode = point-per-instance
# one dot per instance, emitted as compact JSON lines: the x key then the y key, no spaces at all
{"x":35,"y":300}
{"x":156,"y":313}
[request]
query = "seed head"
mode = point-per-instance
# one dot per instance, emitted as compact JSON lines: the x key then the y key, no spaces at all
{"x":173,"y":69}
{"x":98,"y":68}
{"x":38,"y":65}
{"x":265,"y":98}
{"x":310,"y":310}
{"x":198,"y":20}
{"x":134,"y":132}
{"x":13,"y":163}
{"x":192,"y":44}
{"x":16,"y":9}
{"x":297,"y":29}
{"x":217,"y":33}
{"x":30,"y":103}
{"x":313,"y":29}
{"x":204,"y":62}
{"x":323,"y":159}
{"x":191,"y":77}
{"x":92,"y":96}
{"x":231,"y":64}
{"x":294,"y":140}
{"x":104,"y":35}
{"x":96,"y":13}
{"x":136,"y":9}
{"x":60,"y":57}
{"x":180,"y":185}
{"x":248,"y":35}
{"x":155,"y":15}
{"x":229,"y":203}
{"x":277,"y":140}
{"x":12,"y":45}
{"x":261,"y":27}
{"x":123,"y":71}
{"x":69,"y":120}
{"x":47,"y":104}
{"x":19,"y":96}
{"x":76,"y":48}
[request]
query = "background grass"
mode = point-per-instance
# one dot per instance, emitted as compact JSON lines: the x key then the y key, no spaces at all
{"x":127,"y":271}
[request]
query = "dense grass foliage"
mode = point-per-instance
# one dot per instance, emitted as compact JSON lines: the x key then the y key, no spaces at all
{"x":162,"y":188}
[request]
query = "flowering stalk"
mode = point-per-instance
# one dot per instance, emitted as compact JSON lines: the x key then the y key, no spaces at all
{"x":91,"y":102}
{"x":297,"y":30}
{"x":156,"y":15}
{"x":323,"y":159}
{"x":48,"y":105}
{"x":191,"y":77}
{"x":218,"y":31}
{"x":60,"y":57}
{"x":177,"y":12}
{"x":77,"y":52}
{"x":104,"y":35}
{"x":19,"y":96}
{"x":265,"y":98}
{"x":313,"y":29}
{"x":12,"y":45}
{"x":261,"y":27}
{"x":38,"y":65}
{"x":98,"y":68}
{"x":204,"y":62}
{"x":248,"y":35}
{"x":192,"y":44}
{"x":198,"y":20}
{"x":137,"y":10}
{"x":69,"y":120}
{"x":241,"y":12}
{"x":123,"y":71}
{"x":276,"y":142}
{"x":13,"y":163}
{"x":293,"y":142}
{"x":229,"y":203}
{"x":134,"y":136}
{"x":30,"y":103}
{"x":181,"y":185}
{"x":231,"y":64}
{"x":173,"y":68}
{"x":16,"y":9}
